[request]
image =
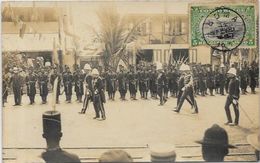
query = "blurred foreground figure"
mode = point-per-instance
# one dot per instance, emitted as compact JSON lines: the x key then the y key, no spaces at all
{"x":115,"y":156}
{"x":254,"y":141}
{"x":52,"y":133}
{"x":215,"y":144}
{"x":162,"y":153}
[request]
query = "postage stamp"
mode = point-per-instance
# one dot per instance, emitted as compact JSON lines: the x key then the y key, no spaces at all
{"x":223,"y":28}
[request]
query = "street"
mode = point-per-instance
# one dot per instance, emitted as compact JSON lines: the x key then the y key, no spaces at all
{"x":131,"y":125}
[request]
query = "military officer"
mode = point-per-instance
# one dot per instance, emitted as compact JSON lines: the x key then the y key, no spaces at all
{"x":17,"y":83}
{"x":88,"y":88}
{"x":78,"y":80}
{"x":161,"y":83}
{"x":67,"y":82}
{"x":98,"y":95}
{"x":55,"y":75}
{"x":43,"y":85}
{"x":122,"y":82}
{"x":233,"y":97}
{"x":210,"y":81}
{"x":132,"y":79}
{"x":31,"y":80}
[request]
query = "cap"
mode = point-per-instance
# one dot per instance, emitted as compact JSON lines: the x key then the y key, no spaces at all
{"x":115,"y":156}
{"x":87,"y":67}
{"x":162,"y":153}
{"x":51,"y":123}
{"x":216,"y":136}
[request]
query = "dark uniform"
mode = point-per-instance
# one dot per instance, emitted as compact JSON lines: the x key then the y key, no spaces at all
{"x":233,"y":95}
{"x":78,"y":80}
{"x":52,"y":79}
{"x":122,"y":84}
{"x":67,"y":82}
{"x":211,"y":81}
{"x":132,"y":79}
{"x":243,"y":80}
{"x":99,"y":97}
{"x":161,"y":82}
{"x":187,"y":93}
{"x":222,"y":80}
{"x":202,"y":84}
{"x":252,"y":79}
{"x":43,"y":85}
{"x":31,"y":80}
{"x":153,"y":85}
{"x":5,"y":82}
{"x":17,"y":83}
{"x":88,"y":93}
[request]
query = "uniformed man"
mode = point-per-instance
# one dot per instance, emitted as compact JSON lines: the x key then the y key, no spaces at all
{"x":67,"y":82}
{"x":222,"y":79}
{"x":88,"y":88}
{"x":187,"y":89}
{"x":243,"y":79}
{"x":233,"y":97}
{"x":54,"y":75}
{"x":132,"y":79}
{"x":210,"y":81}
{"x":122,"y":82}
{"x":17,"y":83}
{"x":5,"y":83}
{"x":161,"y":83}
{"x":31,"y":80}
{"x":43,"y":80}
{"x":153,"y":83}
{"x":52,"y":133}
{"x":78,"y":80}
{"x":98,"y":95}
{"x":252,"y":78}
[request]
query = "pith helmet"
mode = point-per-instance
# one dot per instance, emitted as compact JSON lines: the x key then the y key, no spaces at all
{"x":232,"y":71}
{"x":95,"y":72}
{"x":87,"y":67}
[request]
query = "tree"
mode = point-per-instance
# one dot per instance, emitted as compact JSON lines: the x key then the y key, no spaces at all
{"x":115,"y":35}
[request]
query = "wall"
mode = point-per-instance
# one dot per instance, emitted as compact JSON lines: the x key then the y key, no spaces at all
{"x":203,"y":55}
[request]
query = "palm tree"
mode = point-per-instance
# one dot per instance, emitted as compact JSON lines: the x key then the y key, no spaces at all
{"x":115,"y":35}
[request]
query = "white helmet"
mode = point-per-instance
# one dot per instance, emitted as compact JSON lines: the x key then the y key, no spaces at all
{"x":184,"y":67}
{"x":87,"y":67}
{"x":95,"y":72}
{"x":232,"y":71}
{"x":222,"y":65}
{"x":159,"y":66}
{"x":47,"y":64}
{"x":15,"y":70}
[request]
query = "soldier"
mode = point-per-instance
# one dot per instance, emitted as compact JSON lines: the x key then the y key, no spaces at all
{"x":153,"y":83}
{"x":30,"y":80}
{"x":43,"y":85}
{"x":98,"y":95}
{"x":109,"y":84}
{"x":146,"y":83}
{"x":17,"y":83}
{"x":52,"y":133}
{"x":233,"y":97}
{"x":210,"y":81}
{"x":5,"y":82}
{"x":88,"y":88}
{"x":252,"y":75}
{"x":187,"y":89}
{"x":78,"y":77}
{"x":222,"y":79}
{"x":202,"y":85}
{"x":122,"y":82}
{"x":67,"y":82}
{"x":243,"y":79}
{"x":217,"y":81}
{"x":132,"y":79}
{"x":161,"y":83}
{"x":55,"y":75}
{"x":166,"y":86}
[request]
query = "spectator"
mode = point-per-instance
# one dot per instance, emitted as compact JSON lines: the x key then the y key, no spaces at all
{"x":254,"y":140}
{"x":215,"y":144}
{"x":52,"y":133}
{"x":163,"y":153}
{"x":115,"y":156}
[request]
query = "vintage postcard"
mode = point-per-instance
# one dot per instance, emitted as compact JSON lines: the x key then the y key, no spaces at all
{"x":130,"y":81}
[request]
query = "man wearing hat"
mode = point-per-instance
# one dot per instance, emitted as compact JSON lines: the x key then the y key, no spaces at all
{"x":187,"y":90}
{"x":162,"y":152}
{"x":161,"y":83}
{"x":55,"y":74}
{"x":17,"y":82}
{"x":67,"y":82}
{"x":122,"y":83}
{"x":78,"y":78}
{"x":88,"y":88}
{"x":43,"y":85}
{"x":233,"y":97}
{"x":215,"y":144}
{"x":30,"y":80}
{"x":98,"y":95}
{"x":254,"y":141}
{"x":115,"y":156}
{"x":52,"y":133}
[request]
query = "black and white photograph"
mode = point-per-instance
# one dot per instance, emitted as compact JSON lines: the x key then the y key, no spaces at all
{"x":130,"y":81}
